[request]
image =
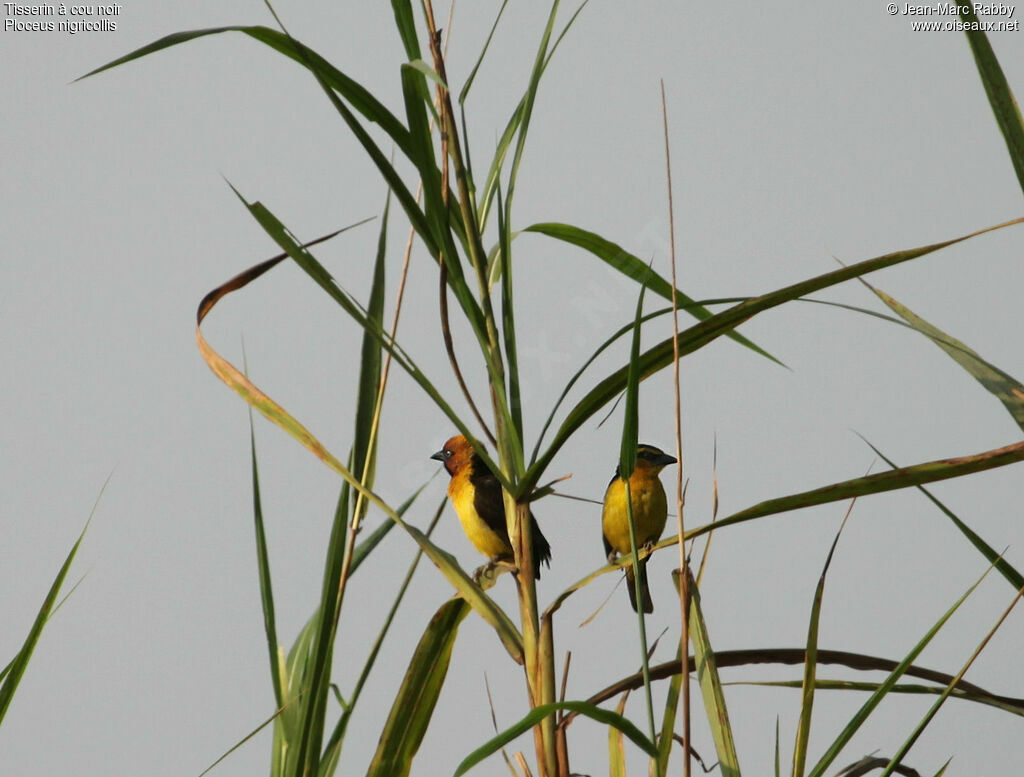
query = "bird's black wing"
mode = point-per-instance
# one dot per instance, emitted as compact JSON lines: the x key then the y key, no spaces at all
{"x":487,"y":498}
{"x":490,"y":505}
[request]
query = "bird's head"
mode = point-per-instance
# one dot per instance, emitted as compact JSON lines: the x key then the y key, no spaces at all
{"x":456,"y":454}
{"x":649,"y":457}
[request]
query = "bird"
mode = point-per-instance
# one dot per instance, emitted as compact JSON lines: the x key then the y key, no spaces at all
{"x":650,"y":510}
{"x":476,"y":494}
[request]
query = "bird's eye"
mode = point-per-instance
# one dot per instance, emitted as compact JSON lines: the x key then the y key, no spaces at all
{"x":448,"y":453}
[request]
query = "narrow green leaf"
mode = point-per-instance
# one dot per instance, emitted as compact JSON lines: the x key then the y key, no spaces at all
{"x":361,"y":99}
{"x":513,"y":125}
{"x":1000,"y":97}
{"x":1007,"y":570}
{"x":309,"y":264}
{"x":711,"y":685}
{"x":875,"y":699}
{"x":414,"y":704}
{"x":537,"y":714}
{"x":406,"y":24}
{"x":668,"y":718}
{"x":16,"y":669}
{"x":332,"y":751}
{"x":479,"y":60}
{"x":631,"y":266}
{"x":631,"y":417}
{"x":529,"y":99}
{"x":263,"y":566}
{"x":803,"y":731}
{"x":778,"y":751}
{"x":1004,"y":387}
{"x":473,"y":594}
{"x":900,"y":754}
{"x":428,"y":71}
{"x":364,"y":445}
{"x":904,"y":477}
{"x":508,"y":330}
{"x":699,"y":335}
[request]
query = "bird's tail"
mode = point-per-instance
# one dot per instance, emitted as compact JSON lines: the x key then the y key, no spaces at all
{"x":541,"y":548}
{"x":645,"y":591}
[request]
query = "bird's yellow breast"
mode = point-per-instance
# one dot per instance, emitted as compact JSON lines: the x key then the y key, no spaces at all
{"x":650,"y":510}
{"x":484,"y":539}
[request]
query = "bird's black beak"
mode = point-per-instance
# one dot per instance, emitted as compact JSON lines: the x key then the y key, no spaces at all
{"x":440,"y":456}
{"x":664,"y":460}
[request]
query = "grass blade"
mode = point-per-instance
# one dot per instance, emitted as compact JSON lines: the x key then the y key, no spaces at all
{"x":1000,"y":97}
{"x":631,"y":266}
{"x":513,"y":126}
{"x":875,"y":699}
{"x":16,"y":669}
{"x":263,"y":565}
{"x":627,"y":329}
{"x":803,"y":730}
{"x":360,"y":99}
{"x":904,"y":477}
{"x":332,"y":751}
{"x":537,"y":714}
{"x":1004,"y":387}
{"x":406,"y":24}
{"x":480,"y":59}
{"x":414,"y":704}
{"x":905,"y":747}
{"x":668,"y":719}
{"x":274,"y":412}
{"x":1002,"y":566}
{"x":706,"y":666}
{"x":689,"y":340}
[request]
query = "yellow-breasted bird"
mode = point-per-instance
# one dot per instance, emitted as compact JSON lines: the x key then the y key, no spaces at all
{"x":475,"y":493}
{"x":650,"y":509}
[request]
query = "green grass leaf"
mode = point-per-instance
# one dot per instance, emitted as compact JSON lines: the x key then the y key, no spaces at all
{"x":1007,"y":570}
{"x":16,"y":669}
{"x":263,"y":567}
{"x":537,"y":714}
{"x":706,"y":666}
{"x":360,"y":99}
{"x":803,"y":732}
{"x":904,"y":477}
{"x":699,"y":335}
{"x":1000,"y":97}
{"x":414,"y":704}
{"x":875,"y":699}
{"x":406,"y":24}
{"x":632,"y":267}
{"x":1004,"y":387}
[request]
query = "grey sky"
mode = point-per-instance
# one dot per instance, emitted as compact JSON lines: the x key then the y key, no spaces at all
{"x":827,"y":130}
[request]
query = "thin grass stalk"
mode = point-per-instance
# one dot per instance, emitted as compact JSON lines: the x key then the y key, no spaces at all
{"x":684,"y":577}
{"x":539,"y":672}
{"x":474,"y":244}
{"x":446,"y":332}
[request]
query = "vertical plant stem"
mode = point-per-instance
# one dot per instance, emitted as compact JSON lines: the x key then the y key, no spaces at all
{"x":474,"y":243}
{"x":684,"y":577}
